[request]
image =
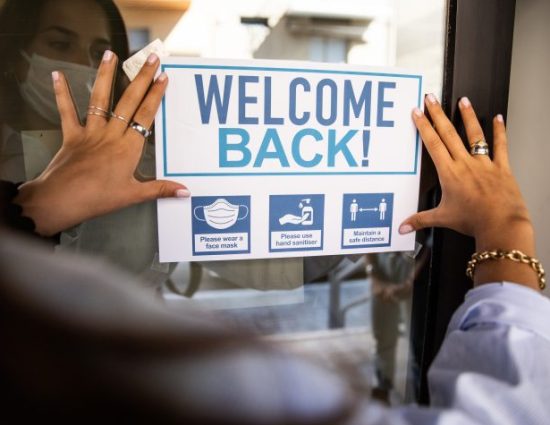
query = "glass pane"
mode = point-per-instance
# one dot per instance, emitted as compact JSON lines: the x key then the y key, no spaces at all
{"x":138,"y":38}
{"x":352,"y":310}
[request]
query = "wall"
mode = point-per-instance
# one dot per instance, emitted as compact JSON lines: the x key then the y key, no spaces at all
{"x":420,"y":39}
{"x":159,"y":22}
{"x":528,"y":115}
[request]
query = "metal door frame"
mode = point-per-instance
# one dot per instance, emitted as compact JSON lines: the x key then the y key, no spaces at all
{"x":478,"y":52}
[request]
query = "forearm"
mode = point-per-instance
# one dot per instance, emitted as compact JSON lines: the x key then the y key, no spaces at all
{"x":497,"y":343}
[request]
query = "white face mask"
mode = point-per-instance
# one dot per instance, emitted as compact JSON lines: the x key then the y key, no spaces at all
{"x":37,"y":90}
{"x":221,"y":214}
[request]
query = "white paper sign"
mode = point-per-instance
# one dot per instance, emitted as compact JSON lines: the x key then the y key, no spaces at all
{"x":286,"y":159}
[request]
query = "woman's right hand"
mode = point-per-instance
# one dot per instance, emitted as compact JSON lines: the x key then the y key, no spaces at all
{"x":93,"y":172}
{"x":480,"y":196}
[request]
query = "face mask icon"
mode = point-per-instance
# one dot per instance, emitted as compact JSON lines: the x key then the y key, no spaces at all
{"x":220,"y":214}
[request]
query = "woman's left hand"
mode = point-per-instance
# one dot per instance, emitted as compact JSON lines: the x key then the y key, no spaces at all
{"x":480,"y":196}
{"x":93,"y":172}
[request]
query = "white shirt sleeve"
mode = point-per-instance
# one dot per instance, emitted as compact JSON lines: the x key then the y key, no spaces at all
{"x":494,"y":364}
{"x":492,"y":369}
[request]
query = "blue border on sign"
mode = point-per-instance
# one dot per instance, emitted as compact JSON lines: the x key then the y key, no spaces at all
{"x":289,"y":173}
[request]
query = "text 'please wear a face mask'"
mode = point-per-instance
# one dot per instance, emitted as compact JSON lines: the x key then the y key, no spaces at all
{"x":37,"y":89}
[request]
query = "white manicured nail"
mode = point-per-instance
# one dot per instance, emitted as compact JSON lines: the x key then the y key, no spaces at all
{"x":107,"y":56}
{"x":500,"y":118}
{"x":183,"y":193}
{"x":465,"y":102}
{"x":405,"y":228}
{"x":417,"y":112}
{"x":55,"y":76}
{"x":162,"y":77}
{"x":152,"y":58}
{"x":431,"y":98}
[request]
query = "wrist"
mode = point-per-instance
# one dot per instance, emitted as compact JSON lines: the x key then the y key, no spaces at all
{"x":30,"y":199}
{"x":514,"y":234}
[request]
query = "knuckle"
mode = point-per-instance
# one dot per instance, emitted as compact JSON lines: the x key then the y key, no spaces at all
{"x":419,"y":221}
{"x":133,"y":97}
{"x":433,"y":142}
{"x":102,"y":73}
{"x":162,"y":189}
{"x":468,"y":114}
{"x":144,"y":76}
{"x":475,"y":138}
{"x":146,"y":109}
{"x":447,"y":132}
{"x":424,"y":124}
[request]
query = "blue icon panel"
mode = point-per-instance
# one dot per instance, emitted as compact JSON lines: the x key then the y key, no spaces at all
{"x":366,"y":220}
{"x":296,"y":222}
{"x":220,"y":224}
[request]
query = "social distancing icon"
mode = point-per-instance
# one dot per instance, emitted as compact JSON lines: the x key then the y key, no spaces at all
{"x":367,"y":220}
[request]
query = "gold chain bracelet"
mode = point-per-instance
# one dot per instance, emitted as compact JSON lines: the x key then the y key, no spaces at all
{"x":514,"y":255}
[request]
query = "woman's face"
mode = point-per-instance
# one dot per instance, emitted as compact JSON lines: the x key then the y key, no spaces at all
{"x":75,"y":31}
{"x":68,"y":32}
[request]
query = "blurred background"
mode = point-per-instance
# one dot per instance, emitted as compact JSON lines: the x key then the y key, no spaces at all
{"x":366,"y":32}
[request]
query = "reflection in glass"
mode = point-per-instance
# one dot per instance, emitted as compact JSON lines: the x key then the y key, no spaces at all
{"x":346,"y":310}
{"x":41,"y":36}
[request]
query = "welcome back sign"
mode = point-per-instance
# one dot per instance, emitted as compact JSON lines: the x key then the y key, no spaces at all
{"x":286,"y":159}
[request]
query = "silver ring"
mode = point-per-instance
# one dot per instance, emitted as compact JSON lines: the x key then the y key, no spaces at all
{"x":480,"y":148}
{"x":120,"y":117}
{"x":140,"y":129}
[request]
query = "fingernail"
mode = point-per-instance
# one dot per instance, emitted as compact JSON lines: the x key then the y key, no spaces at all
{"x":431,"y":98}
{"x":500,"y":118}
{"x":405,"y":228}
{"x":107,"y":56}
{"x":465,"y":102}
{"x":55,"y":76}
{"x":183,"y":193}
{"x":162,"y":77}
{"x":417,"y":112}
{"x":152,"y":58}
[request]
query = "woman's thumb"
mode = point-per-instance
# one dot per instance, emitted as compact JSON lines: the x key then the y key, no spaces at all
{"x":418,"y":221}
{"x":163,"y":189}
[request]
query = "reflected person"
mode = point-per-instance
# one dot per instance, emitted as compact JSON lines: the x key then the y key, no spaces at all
{"x":38,"y":37}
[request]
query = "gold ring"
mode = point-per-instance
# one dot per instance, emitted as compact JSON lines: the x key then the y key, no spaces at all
{"x":99,"y":109}
{"x":99,"y":114}
{"x":480,"y":148}
{"x":121,"y":118}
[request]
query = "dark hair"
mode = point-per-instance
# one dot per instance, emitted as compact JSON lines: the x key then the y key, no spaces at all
{"x":18,"y":24}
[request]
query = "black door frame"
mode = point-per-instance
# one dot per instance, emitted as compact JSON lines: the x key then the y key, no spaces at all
{"x":478,"y":52}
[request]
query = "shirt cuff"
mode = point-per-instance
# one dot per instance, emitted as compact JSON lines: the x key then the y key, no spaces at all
{"x":503,"y":303}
